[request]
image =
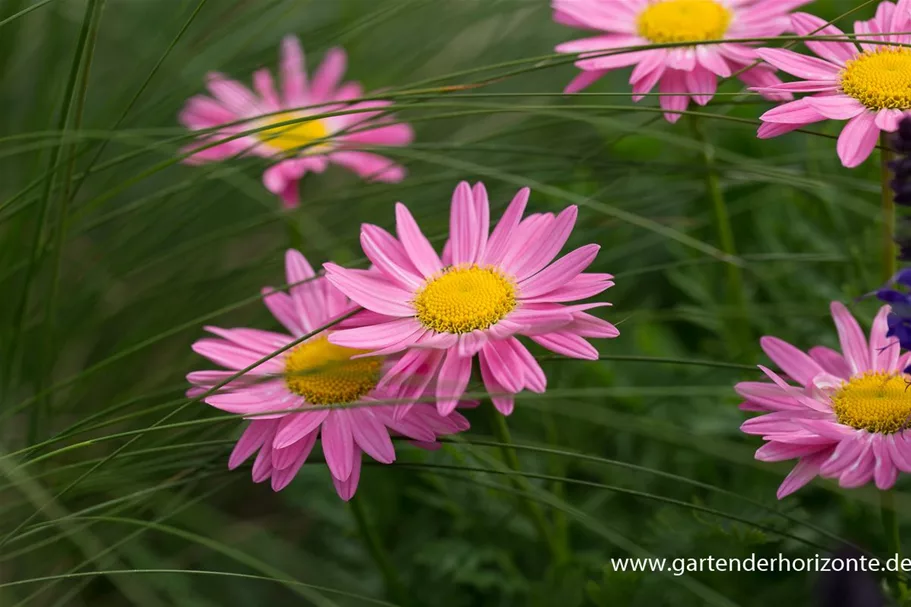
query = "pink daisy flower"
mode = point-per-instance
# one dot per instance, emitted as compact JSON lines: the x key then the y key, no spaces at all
{"x":486,"y":288}
{"x":681,"y":72}
{"x":314,"y":372}
{"x":869,"y":86}
{"x":848,"y":415}
{"x":309,"y":145}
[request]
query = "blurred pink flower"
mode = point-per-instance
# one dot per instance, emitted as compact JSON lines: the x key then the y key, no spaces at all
{"x":870,"y":86}
{"x":486,"y":288}
{"x":315,"y":372}
{"x":688,"y":70}
{"x":308,"y":145}
{"x":847,"y":416}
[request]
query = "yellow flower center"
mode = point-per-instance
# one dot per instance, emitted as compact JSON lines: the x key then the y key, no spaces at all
{"x":290,"y":137}
{"x":880,"y":78}
{"x":465,"y":298}
{"x":878,"y":402}
{"x":325,"y":374}
{"x":671,"y":21}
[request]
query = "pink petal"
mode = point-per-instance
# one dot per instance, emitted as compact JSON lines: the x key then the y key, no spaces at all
{"x":384,"y":134}
{"x":836,"y":107}
{"x":452,"y":381}
{"x":845,"y":455}
{"x":778,"y":452}
{"x":567,"y":344}
{"x":371,"y":167}
{"x":375,"y":337}
{"x":884,"y":351}
{"x":388,"y":264}
{"x":838,"y":52}
{"x":328,"y":75}
{"x":346,"y":488}
{"x":554,"y":234}
{"x":674,"y":98}
{"x":702,"y":85}
{"x":853,"y":342}
{"x":502,"y":399}
{"x":534,"y":377}
{"x":464,"y":233}
{"x":713,"y":61}
{"x":583,"y":80}
{"x":885,"y":472}
{"x":857,"y":139}
{"x":262,"y":82}
{"x":283,"y":476}
{"x":794,"y":112}
{"x":792,"y":361}
{"x":808,"y":68}
{"x":256,"y":433}
{"x":371,"y":435}
{"x":296,"y":426}
{"x":806,"y":470}
{"x":338,"y":444}
{"x":559,"y":273}
{"x":369,"y":291}
{"x":501,"y":362}
{"x":234,"y":96}
{"x":293,"y":72}
{"x":831,"y":361}
{"x":887,"y":120}
{"x":282,"y":308}
{"x":415,"y":243}
{"x":500,"y":238}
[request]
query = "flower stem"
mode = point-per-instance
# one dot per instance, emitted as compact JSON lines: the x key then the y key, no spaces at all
{"x":893,"y":540}
{"x":532,"y":508}
{"x":890,"y":264}
{"x":394,"y":586}
{"x":735,"y":295}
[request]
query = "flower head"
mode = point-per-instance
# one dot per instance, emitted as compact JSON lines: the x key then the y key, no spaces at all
{"x":688,"y":69}
{"x":486,"y":288}
{"x":315,"y":372}
{"x":868,"y":85}
{"x":848,"y":417}
{"x":295,"y":144}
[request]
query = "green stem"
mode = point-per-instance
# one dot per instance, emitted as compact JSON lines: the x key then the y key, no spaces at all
{"x":890,"y":258}
{"x":893,"y":540}
{"x":501,"y":432}
{"x":395,"y":589}
{"x":295,"y":238}
{"x":735,"y":296}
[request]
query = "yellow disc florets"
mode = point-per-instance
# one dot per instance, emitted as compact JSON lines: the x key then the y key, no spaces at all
{"x":877,"y":402}
{"x":880,"y":79}
{"x":683,"y":21}
{"x":466,"y":298}
{"x":325,"y":374}
{"x":290,"y":137}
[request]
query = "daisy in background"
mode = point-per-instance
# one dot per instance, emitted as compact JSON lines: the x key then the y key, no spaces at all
{"x":849,"y":415}
{"x":314,"y":372}
{"x":308,"y":145}
{"x":690,"y":69}
{"x":485,"y":289}
{"x":868,"y":85}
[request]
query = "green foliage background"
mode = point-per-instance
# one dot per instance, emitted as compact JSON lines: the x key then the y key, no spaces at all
{"x":114,"y":491}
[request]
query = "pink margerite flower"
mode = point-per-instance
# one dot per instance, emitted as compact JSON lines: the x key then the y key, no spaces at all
{"x":847,"y":416}
{"x":688,"y":70}
{"x":870,"y":86}
{"x":314,"y":372}
{"x":486,"y":288}
{"x":308,"y":145}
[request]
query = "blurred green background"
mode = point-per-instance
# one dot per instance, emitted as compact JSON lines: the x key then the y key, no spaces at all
{"x":106,"y":473}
